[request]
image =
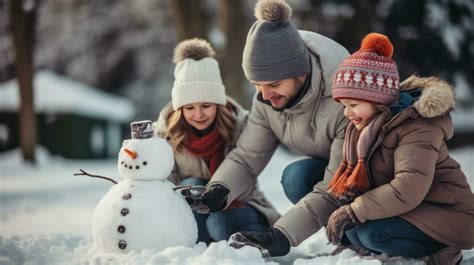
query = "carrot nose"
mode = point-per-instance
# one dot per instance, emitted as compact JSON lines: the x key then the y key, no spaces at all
{"x":130,"y":153}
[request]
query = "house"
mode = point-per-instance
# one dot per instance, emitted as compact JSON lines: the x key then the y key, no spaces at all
{"x":73,"y":120}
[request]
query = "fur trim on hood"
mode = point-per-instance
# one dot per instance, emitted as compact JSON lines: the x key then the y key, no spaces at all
{"x":437,"y":97}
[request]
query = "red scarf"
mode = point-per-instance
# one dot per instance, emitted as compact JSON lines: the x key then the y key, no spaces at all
{"x":210,"y":147}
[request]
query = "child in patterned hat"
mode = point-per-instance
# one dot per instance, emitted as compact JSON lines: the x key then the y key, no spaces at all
{"x":401,"y":193}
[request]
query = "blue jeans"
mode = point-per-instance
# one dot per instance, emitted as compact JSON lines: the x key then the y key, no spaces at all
{"x":299,"y":177}
{"x":221,"y":225}
{"x":203,"y":235}
{"x":393,"y":236}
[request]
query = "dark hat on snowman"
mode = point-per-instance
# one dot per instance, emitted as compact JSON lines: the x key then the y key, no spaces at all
{"x":141,"y":129}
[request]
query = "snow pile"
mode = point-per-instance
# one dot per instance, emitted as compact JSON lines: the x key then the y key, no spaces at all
{"x":48,"y":249}
{"x":54,"y":249}
{"x":41,"y":249}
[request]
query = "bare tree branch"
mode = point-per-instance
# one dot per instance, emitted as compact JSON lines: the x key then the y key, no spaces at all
{"x":94,"y":176}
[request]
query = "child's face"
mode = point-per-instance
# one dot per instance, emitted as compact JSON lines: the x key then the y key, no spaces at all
{"x":200,"y":115}
{"x":358,"y":111}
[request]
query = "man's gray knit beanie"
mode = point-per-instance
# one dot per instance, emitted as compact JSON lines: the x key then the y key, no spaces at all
{"x":274,"y":49}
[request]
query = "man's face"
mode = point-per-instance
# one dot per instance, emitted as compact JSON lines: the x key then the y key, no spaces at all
{"x":279,"y":93}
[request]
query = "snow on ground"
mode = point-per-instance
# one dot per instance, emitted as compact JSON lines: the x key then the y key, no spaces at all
{"x":46,"y":218}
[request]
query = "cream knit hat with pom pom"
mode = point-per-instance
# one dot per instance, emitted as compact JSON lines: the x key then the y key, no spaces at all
{"x":197,"y":75}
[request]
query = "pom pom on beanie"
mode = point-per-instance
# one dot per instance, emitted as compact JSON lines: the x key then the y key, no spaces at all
{"x":379,"y":43}
{"x":196,"y":49}
{"x":197,"y":75}
{"x":272,"y":10}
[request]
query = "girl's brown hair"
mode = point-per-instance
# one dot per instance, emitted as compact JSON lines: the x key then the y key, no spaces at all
{"x":179,"y":128}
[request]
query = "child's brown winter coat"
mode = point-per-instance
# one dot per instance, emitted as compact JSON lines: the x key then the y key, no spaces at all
{"x":412,"y":173}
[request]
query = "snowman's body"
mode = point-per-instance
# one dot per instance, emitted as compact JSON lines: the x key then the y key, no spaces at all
{"x":143,"y":211}
{"x":153,"y":217}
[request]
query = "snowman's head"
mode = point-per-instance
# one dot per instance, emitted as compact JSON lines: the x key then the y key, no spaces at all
{"x":145,"y":157}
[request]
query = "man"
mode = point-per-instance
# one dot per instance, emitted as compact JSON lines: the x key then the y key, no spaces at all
{"x":292,"y":72}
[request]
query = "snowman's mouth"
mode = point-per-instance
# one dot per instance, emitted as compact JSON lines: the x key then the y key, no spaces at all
{"x":134,"y":166}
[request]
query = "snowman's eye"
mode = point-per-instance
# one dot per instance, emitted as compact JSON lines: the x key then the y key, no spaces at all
{"x":145,"y":163}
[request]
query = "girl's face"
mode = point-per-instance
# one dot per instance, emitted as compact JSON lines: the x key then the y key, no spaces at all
{"x":358,"y":111}
{"x":200,"y":115}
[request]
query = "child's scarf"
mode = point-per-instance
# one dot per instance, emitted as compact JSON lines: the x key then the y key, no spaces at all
{"x":351,"y":178}
{"x":210,"y":147}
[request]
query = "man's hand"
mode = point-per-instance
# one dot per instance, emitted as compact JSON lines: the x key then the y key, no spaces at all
{"x":340,"y":220}
{"x":271,"y":243}
{"x":215,"y":197}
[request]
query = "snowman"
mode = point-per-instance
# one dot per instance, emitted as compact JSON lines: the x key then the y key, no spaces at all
{"x":143,"y":210}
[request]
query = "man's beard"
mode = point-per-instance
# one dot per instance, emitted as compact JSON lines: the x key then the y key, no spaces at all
{"x":281,"y":108}
{"x":292,"y":99}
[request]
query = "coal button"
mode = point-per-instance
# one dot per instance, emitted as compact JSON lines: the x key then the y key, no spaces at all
{"x":127,"y":196}
{"x":124,"y":211}
{"x":122,"y":244}
{"x":121,"y":229}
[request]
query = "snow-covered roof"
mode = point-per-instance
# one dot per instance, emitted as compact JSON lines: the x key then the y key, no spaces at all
{"x":58,"y":94}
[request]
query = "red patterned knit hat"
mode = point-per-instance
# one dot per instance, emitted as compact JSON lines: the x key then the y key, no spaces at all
{"x":368,"y":74}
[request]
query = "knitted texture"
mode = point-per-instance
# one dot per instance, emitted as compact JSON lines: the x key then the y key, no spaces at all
{"x":274,"y":49}
{"x":209,"y":147}
{"x":351,"y":179}
{"x":197,"y":75}
{"x":368,"y":74}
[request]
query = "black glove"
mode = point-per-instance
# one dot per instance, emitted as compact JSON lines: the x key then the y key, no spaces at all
{"x":191,"y":193}
{"x":215,"y":197}
{"x":271,"y":243}
{"x":340,"y":220}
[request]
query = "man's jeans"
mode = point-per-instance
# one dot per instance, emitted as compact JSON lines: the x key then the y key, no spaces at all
{"x":221,"y":225}
{"x":393,"y":236}
{"x":299,"y":177}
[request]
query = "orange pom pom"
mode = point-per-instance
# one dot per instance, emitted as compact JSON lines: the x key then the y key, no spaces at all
{"x":379,"y":43}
